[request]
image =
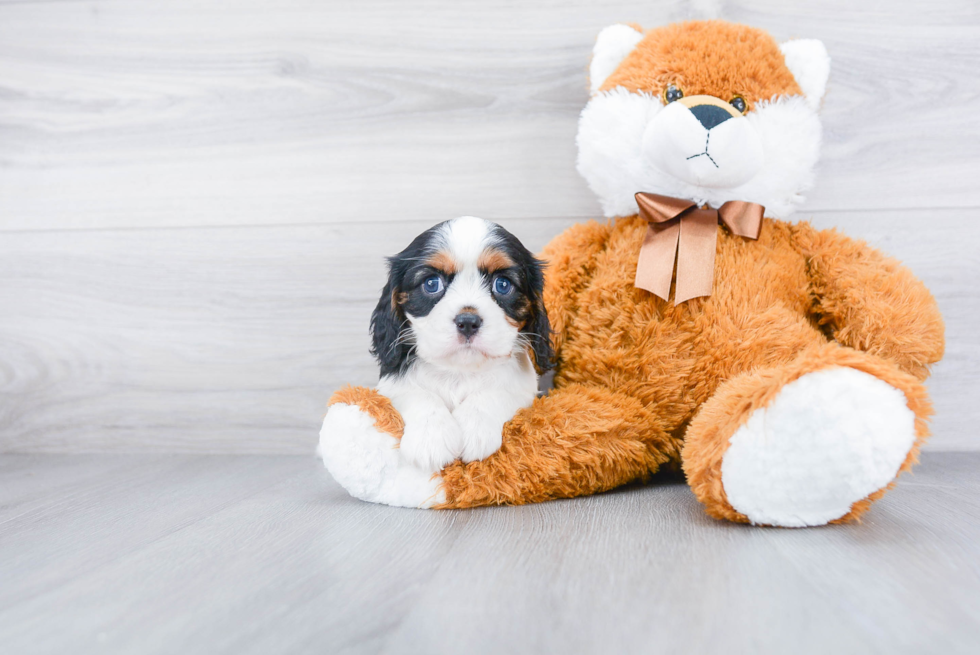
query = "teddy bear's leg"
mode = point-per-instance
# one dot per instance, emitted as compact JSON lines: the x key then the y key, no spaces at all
{"x":811,"y":442}
{"x":578,"y":440}
{"x":359,"y":446}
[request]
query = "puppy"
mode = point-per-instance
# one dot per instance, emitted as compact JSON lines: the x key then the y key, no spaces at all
{"x":460,"y":333}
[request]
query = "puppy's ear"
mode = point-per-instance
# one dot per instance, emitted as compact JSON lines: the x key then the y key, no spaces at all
{"x":537,"y":328}
{"x":387,"y":324}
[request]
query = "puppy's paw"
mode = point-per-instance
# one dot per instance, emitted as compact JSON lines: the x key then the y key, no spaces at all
{"x":431,"y":440}
{"x":482,"y":434}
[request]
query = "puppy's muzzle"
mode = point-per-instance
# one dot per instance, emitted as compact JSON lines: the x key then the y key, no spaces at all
{"x":468,"y":323}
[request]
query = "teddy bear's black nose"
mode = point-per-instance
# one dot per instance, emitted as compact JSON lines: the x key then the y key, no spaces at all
{"x":467,"y":323}
{"x":710,"y":115}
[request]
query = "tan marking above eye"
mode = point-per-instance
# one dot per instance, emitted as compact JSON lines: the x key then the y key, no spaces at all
{"x":492,"y":260}
{"x":443,"y":261}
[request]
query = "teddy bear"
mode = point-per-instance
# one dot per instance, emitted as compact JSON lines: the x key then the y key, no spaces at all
{"x":780,"y":367}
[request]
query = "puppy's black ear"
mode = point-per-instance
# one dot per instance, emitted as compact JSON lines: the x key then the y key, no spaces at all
{"x":537,"y":328}
{"x":387,"y":324}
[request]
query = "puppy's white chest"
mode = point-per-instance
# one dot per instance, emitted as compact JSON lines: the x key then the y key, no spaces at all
{"x":458,"y":415}
{"x":455,"y":389}
{"x":512,"y":376}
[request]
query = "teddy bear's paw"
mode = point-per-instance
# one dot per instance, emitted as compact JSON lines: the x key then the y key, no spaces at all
{"x":828,"y":440}
{"x":368,"y":463}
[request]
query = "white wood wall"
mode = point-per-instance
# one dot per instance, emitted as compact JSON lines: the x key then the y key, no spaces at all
{"x":195,"y":196}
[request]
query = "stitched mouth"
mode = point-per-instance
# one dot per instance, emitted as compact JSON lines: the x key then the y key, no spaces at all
{"x":707,"y":140}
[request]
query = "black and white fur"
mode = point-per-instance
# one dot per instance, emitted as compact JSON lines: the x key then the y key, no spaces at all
{"x":455,"y":331}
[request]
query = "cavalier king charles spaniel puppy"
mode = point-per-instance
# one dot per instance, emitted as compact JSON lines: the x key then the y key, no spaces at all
{"x":460,"y":333}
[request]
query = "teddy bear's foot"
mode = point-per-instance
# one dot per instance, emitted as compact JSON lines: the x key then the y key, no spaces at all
{"x":815,"y":449}
{"x":359,"y":446}
{"x":828,"y":440}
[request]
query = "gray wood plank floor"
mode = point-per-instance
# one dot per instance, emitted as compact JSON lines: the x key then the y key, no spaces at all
{"x":265,"y":554}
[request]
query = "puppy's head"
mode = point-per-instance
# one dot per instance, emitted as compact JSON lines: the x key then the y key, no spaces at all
{"x":463,"y":292}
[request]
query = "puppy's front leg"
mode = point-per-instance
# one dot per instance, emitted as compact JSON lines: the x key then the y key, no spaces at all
{"x":432,"y":438}
{"x":481,"y":419}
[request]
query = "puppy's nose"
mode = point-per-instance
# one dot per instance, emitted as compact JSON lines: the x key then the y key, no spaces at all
{"x":710,"y":115}
{"x":467,"y":323}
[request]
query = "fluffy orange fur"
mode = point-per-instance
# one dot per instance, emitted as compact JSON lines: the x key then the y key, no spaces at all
{"x":642,"y":382}
{"x":386,"y":417}
{"x":687,"y":55}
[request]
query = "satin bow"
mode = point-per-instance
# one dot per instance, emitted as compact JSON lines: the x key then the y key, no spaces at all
{"x":678,"y":227}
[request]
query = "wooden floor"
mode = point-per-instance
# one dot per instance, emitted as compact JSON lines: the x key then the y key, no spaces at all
{"x":266,"y":554}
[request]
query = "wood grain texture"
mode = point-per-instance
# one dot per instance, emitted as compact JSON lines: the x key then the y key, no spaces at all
{"x":188,"y":113}
{"x":195,"y":196}
{"x":232,"y":339}
{"x":233,"y":554}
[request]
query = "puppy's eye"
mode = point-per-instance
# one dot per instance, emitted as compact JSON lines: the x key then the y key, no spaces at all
{"x":502,"y":286}
{"x":672,"y":93}
{"x":432,"y":285}
{"x":738,"y":102}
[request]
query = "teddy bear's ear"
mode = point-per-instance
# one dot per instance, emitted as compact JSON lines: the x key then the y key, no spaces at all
{"x":611,"y":47}
{"x":809,"y":62}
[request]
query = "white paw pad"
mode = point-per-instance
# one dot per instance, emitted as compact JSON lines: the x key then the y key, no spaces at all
{"x":368,"y":463}
{"x":828,"y":440}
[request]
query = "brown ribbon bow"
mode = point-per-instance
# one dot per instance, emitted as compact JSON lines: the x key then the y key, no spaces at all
{"x":678,"y":226}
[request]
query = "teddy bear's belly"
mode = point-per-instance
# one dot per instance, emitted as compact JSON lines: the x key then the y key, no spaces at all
{"x":672,"y":358}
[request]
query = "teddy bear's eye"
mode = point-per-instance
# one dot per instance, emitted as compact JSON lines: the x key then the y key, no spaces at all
{"x":672,"y":93}
{"x":738,"y":102}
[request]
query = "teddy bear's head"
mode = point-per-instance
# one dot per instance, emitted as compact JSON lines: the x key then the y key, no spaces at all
{"x":707,"y":111}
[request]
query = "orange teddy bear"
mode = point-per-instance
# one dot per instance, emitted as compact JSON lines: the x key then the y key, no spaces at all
{"x":780,"y":366}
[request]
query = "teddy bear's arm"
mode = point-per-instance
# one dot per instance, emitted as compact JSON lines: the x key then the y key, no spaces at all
{"x":575,"y":441}
{"x":871,"y":302}
{"x":570,"y":257}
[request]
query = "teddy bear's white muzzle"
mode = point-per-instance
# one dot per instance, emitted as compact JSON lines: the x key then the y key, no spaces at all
{"x":703,"y":146}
